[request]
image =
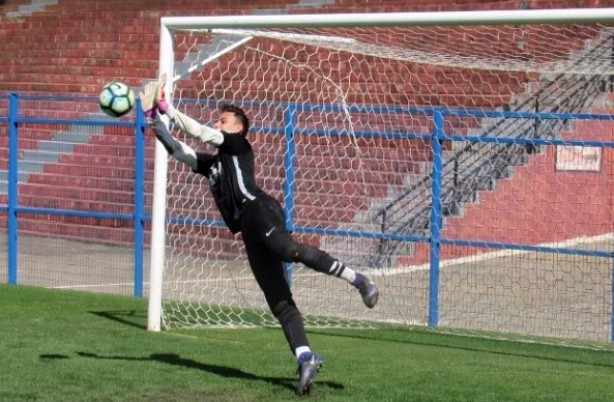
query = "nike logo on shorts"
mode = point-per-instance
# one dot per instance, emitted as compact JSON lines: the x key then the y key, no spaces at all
{"x":267,"y":234}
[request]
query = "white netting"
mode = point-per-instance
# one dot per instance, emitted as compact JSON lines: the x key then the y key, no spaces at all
{"x":340,"y":124}
{"x":541,"y":48}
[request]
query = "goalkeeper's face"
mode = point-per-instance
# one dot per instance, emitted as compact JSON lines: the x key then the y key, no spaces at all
{"x":228,"y":122}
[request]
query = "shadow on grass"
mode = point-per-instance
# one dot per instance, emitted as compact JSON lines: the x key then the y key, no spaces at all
{"x":223,"y":371}
{"x":135,"y":318}
{"x":514,"y":348}
{"x":53,"y":356}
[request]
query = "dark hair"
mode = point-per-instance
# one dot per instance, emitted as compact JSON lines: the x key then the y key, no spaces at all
{"x":239,"y":113}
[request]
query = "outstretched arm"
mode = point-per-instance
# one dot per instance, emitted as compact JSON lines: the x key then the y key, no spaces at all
{"x":180,"y":151}
{"x":153,"y":100}
{"x":193,"y":128}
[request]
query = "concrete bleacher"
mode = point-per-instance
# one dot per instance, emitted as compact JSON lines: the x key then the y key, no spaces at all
{"x":75,"y":47}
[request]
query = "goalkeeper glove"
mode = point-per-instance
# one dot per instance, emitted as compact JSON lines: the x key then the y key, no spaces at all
{"x":152,"y":96}
{"x":162,"y":106}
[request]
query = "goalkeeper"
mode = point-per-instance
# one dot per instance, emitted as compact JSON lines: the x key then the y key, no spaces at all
{"x":247,"y":209}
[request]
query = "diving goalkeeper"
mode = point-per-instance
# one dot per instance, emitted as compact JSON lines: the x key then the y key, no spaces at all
{"x":248,"y":209}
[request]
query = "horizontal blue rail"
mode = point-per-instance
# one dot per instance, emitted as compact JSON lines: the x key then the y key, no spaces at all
{"x":290,"y":131}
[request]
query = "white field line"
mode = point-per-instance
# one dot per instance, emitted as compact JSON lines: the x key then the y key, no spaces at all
{"x":387,"y":272}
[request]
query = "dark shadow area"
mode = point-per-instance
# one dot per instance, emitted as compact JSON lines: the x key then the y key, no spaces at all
{"x":529,"y":350}
{"x":223,"y":371}
{"x":53,"y":356}
{"x":133,"y":318}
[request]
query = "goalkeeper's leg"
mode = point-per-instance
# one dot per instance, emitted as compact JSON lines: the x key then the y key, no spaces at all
{"x":321,"y":261}
{"x":265,"y":220}
{"x":268,"y":270}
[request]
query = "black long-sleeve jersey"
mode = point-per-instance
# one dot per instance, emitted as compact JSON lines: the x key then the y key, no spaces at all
{"x":231,"y":176}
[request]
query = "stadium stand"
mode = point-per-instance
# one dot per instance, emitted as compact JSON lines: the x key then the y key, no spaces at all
{"x":77,"y":46}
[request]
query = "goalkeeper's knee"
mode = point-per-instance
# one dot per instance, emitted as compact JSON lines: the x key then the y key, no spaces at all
{"x":291,"y":251}
{"x":312,"y":257}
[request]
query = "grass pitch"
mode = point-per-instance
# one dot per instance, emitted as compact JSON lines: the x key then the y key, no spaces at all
{"x":72,"y":346}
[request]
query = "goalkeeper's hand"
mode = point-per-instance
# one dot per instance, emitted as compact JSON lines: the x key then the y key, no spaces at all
{"x":152,"y":97}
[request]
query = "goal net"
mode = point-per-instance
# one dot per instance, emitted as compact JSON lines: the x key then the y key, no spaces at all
{"x":343,"y":110}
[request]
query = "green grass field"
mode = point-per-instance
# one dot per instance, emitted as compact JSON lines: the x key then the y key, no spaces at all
{"x":71,"y":346}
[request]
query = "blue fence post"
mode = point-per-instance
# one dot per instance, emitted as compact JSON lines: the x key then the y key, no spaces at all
{"x":139,"y":200}
{"x":12,"y":188}
{"x":289,"y":156}
{"x":437,"y":182}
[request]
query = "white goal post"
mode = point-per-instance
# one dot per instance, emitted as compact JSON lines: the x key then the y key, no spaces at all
{"x":342,"y":107}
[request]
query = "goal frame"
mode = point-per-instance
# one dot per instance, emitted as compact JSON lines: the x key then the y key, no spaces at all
{"x":166,"y":65}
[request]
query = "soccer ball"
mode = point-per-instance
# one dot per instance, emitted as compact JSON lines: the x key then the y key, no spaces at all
{"x":116,"y":99}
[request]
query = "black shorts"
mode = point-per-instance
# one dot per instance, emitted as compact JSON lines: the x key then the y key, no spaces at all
{"x":263,"y":228}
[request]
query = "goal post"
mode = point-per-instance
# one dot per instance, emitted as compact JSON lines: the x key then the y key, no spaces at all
{"x":158,"y":220}
{"x":346,"y":110}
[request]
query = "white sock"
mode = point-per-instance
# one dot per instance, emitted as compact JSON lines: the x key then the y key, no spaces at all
{"x":349,"y":274}
{"x":300,"y":350}
{"x":343,"y":271}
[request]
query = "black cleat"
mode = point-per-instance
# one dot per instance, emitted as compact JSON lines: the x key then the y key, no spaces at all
{"x":368,"y":291}
{"x":307,"y":369}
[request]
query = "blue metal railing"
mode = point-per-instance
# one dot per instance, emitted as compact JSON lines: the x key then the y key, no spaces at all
{"x":13,"y":209}
{"x":434,"y":204}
